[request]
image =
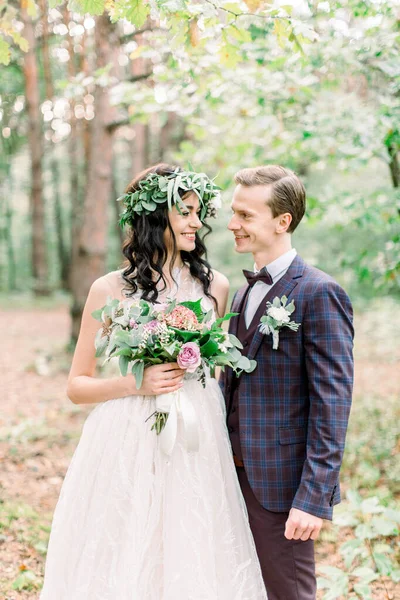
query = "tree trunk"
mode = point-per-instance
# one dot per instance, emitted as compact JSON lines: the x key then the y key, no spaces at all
{"x":140,"y":148}
{"x":62,"y":250}
{"x":141,"y":142}
{"x":115,"y":193}
{"x":89,"y":258}
{"x":75,"y":191}
{"x":394,"y":165}
{"x":11,"y":264}
{"x":48,"y":78}
{"x":167,"y":138}
{"x":7,"y":265}
{"x":35,"y":140}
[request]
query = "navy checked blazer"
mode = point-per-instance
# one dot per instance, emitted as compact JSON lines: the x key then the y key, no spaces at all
{"x":294,"y":408}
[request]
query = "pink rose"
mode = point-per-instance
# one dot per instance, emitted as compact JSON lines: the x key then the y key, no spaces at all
{"x":189,"y":357}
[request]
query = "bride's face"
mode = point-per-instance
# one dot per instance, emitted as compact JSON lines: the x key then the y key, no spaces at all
{"x":184,"y":225}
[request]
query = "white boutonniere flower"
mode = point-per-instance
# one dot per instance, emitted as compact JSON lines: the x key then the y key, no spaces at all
{"x":276,"y":317}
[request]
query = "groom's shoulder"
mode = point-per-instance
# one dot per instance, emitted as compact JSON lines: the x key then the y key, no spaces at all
{"x":316,"y":276}
{"x":315,"y":280}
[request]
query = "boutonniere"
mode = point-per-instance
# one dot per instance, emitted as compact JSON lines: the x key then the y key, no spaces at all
{"x":277,"y":316}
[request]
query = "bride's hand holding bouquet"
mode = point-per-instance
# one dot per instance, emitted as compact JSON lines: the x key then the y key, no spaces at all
{"x":162,"y":343}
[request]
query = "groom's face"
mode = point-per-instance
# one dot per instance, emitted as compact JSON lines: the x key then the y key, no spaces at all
{"x":252,"y":223}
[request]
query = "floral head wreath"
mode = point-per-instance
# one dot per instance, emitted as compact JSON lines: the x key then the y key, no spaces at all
{"x":157,"y":189}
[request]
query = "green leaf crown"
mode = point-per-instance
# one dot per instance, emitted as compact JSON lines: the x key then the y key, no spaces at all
{"x":156,"y":190}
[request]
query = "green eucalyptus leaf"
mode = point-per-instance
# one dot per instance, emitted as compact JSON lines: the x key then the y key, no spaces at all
{"x":123,"y":365}
{"x":276,"y":302}
{"x":137,"y":370}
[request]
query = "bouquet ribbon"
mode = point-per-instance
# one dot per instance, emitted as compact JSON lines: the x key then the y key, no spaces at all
{"x":178,"y":404}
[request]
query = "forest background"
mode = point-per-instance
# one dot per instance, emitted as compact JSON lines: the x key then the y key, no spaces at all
{"x":91,"y":92}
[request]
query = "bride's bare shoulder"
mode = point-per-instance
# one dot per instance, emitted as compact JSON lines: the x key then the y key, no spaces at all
{"x":109,"y":284}
{"x":220,"y":290}
{"x":221,"y":283}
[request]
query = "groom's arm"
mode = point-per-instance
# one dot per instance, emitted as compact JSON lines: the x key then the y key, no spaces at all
{"x":328,"y":343}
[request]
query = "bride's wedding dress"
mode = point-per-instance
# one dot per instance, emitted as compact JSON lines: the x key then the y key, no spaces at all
{"x":132,"y":523}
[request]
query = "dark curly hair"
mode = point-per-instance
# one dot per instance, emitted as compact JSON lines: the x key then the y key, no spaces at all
{"x":146,"y":253}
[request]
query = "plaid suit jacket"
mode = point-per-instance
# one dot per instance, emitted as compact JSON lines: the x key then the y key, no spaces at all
{"x":294,"y":408}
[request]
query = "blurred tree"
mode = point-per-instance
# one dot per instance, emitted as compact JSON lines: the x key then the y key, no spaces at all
{"x":63,"y":252}
{"x":36,"y":148}
{"x":226,"y":84}
{"x":89,"y":260}
{"x":11,"y":140}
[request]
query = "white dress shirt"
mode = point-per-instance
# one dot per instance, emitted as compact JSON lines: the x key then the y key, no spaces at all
{"x":276,"y":269}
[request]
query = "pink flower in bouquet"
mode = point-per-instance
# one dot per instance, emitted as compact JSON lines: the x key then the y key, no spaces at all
{"x":151,"y":326}
{"x":183,"y":318}
{"x":189,"y":357}
{"x":133,"y":324}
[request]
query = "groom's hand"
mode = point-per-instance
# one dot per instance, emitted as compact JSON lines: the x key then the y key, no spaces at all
{"x":302,"y":526}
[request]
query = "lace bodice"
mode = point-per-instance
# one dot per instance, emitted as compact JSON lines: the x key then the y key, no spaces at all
{"x":185,"y":288}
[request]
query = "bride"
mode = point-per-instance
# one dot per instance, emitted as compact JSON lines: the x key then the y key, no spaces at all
{"x":132,"y":523}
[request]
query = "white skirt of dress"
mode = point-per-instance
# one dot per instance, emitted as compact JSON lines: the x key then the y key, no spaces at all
{"x":134,"y":524}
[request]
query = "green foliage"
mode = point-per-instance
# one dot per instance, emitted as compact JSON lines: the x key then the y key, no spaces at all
{"x":246,"y":88}
{"x":4,"y":52}
{"x":158,"y":189}
{"x":22,"y":523}
{"x":9,"y":32}
{"x":371,"y":552}
{"x":135,"y":11}
{"x":26,"y":580}
{"x":94,"y":7}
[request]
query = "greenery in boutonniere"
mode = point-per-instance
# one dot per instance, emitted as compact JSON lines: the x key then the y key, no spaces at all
{"x":278,"y":316}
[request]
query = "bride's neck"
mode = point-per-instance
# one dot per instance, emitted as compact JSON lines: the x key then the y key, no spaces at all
{"x":169,"y":265}
{"x":168,"y":268}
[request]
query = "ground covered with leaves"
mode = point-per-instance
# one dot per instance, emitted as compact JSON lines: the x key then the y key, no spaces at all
{"x":358,"y":556}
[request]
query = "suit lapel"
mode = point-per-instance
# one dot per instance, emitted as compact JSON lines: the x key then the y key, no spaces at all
{"x":237,"y":306}
{"x":283,"y":287}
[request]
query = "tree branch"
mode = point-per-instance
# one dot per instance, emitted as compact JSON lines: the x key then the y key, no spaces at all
{"x":113,"y":125}
{"x":135,"y":78}
{"x":236,"y":15}
{"x":128,"y":37}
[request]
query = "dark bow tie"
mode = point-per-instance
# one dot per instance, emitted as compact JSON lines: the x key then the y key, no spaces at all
{"x":262,"y":275}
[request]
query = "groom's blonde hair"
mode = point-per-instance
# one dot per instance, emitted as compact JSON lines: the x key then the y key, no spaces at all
{"x":288,"y":194}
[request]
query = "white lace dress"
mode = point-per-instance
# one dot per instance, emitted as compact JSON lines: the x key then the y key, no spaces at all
{"x":134,"y":524}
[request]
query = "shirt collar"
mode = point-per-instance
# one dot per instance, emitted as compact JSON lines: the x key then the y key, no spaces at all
{"x":282,"y":263}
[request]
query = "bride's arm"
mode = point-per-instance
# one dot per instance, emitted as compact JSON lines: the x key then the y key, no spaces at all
{"x":84,"y":388}
{"x":220,"y":291}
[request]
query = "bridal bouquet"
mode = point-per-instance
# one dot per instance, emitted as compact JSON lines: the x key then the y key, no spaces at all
{"x":142,"y":334}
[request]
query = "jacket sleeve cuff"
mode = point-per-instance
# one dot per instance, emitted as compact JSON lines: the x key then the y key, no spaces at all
{"x":317,"y":511}
{"x":322,"y":508}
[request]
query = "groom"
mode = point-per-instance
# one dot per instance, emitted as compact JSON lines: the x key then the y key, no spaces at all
{"x":287,"y":420}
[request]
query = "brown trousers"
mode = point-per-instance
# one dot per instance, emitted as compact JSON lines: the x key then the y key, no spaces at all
{"x":288,"y":566}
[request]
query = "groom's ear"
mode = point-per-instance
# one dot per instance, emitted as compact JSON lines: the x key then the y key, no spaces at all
{"x":283,"y":222}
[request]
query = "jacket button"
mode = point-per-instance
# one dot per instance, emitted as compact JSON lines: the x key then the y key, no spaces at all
{"x":245,"y":344}
{"x":231,"y":429}
{"x":233,"y":409}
